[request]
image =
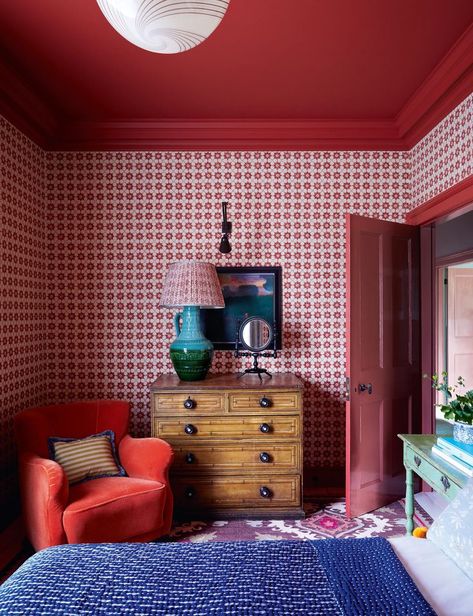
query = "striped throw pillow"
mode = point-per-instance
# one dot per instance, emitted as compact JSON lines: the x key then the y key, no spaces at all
{"x":87,"y":458}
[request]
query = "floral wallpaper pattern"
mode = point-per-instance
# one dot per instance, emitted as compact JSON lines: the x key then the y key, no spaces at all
{"x":23,"y":294}
{"x":444,"y":157}
{"x":117,"y":220}
{"x":86,"y":239}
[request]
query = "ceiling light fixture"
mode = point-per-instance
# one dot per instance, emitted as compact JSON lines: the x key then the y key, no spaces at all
{"x":164,"y":26}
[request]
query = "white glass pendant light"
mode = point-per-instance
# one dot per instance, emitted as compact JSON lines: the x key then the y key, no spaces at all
{"x":164,"y":26}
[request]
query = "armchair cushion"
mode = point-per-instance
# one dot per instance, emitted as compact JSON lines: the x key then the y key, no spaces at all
{"x":100,"y":511}
{"x":87,"y":458}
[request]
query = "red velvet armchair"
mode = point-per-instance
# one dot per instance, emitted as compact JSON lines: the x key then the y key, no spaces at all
{"x":109,"y":509}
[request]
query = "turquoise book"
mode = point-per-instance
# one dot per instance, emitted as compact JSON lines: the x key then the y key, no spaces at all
{"x":457,"y":448}
{"x":453,"y":460}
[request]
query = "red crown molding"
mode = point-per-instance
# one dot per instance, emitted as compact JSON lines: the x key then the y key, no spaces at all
{"x":447,"y":86}
{"x":452,"y":200}
{"x":229,"y":135}
{"x":21,"y":106}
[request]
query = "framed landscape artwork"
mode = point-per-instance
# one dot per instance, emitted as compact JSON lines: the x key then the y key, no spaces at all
{"x":248,"y":292}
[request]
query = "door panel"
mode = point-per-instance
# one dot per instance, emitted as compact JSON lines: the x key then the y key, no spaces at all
{"x":402,"y":335}
{"x":382,"y":355}
{"x":370,"y":352}
{"x":371,"y":432}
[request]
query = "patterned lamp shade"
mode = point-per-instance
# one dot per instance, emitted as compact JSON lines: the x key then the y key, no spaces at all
{"x":192,"y":283}
{"x":164,"y":26}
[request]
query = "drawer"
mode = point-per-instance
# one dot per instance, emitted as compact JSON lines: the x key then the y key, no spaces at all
{"x":425,"y":469}
{"x":279,"y":400}
{"x":222,"y":458}
{"x":196,"y":428}
{"x":202,"y":403}
{"x":265,"y":491}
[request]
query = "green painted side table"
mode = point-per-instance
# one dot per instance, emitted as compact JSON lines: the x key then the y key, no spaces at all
{"x":439,"y":474}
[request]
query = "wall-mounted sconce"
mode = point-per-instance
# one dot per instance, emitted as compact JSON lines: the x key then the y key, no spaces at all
{"x":226,"y":230}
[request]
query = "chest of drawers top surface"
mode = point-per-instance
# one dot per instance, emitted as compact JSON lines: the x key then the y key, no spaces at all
{"x":280,"y":380}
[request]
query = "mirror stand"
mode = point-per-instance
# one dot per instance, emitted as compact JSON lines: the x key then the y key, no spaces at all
{"x":255,"y":369}
{"x":255,"y":335}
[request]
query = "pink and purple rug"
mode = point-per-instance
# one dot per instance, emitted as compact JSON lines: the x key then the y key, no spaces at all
{"x":322,"y":521}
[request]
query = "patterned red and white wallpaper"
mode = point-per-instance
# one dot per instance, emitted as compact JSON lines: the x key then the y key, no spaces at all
{"x":116,"y":221}
{"x":87,"y":239}
{"x":444,"y":157}
{"x":23,"y":294}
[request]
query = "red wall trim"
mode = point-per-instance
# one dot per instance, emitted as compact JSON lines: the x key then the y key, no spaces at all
{"x":448,"y":84}
{"x":451,"y":200}
{"x":229,"y":135}
{"x":427,"y":325}
{"x":458,"y":257}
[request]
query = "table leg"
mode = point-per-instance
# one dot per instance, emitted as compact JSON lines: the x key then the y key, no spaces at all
{"x":409,"y":508}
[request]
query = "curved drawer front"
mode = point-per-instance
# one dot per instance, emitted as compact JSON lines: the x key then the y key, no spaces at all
{"x":221,"y":458}
{"x":262,"y":427}
{"x":251,"y":401}
{"x":443,"y":484}
{"x":202,"y":403}
{"x":264,"y":491}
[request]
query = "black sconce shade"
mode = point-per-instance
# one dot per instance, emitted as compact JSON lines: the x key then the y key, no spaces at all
{"x":225,"y":247}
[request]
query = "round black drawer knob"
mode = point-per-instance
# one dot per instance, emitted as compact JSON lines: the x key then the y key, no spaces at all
{"x":189,"y":403}
{"x":190,"y":458}
{"x":190,"y":429}
{"x":264,"y":457}
{"x":189,"y":492}
{"x":265,"y":492}
{"x":265,"y":428}
{"x":265,"y":402}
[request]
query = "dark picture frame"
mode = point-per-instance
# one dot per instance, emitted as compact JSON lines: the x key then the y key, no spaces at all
{"x":248,"y":291}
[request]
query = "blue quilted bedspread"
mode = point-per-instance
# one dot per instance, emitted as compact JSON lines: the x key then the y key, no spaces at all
{"x":335,"y":576}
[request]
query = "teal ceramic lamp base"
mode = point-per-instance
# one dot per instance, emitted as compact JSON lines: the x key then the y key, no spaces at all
{"x":191,"y":352}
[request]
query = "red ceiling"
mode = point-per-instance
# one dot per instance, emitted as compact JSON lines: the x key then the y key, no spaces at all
{"x":268,"y":60}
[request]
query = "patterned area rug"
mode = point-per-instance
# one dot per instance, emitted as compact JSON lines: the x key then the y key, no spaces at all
{"x":322,"y":521}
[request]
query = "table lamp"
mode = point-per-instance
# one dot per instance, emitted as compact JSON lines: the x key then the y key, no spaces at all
{"x":191,"y":285}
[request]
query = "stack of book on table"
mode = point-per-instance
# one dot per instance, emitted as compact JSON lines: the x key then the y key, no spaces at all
{"x":456,"y":453}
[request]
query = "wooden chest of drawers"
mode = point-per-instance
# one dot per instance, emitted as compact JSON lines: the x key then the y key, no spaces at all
{"x":237,"y":444}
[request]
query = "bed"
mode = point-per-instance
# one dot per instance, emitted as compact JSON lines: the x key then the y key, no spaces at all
{"x":400,"y":576}
{"x":442,"y":583}
{"x":334,"y":576}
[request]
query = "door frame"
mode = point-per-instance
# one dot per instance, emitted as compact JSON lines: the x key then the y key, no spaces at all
{"x":449,"y":204}
{"x":454,"y":201}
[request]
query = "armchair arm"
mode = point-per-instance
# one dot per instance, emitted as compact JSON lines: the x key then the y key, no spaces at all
{"x":146,"y":458}
{"x":44,"y":491}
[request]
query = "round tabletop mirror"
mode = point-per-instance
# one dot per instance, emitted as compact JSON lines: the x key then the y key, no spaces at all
{"x":256,"y":334}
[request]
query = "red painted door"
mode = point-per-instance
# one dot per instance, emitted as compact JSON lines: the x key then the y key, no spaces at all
{"x":383,"y":366}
